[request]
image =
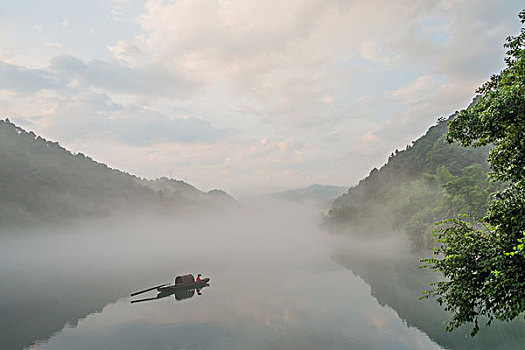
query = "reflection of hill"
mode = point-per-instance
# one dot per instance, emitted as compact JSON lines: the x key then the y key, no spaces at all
{"x":35,"y":311}
{"x":398,"y":282}
{"x":40,"y":181}
{"x":39,"y":300}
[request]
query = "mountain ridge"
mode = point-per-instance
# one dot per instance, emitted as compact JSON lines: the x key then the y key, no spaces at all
{"x":42,"y":181}
{"x":321,"y":195}
{"x":430,"y":180}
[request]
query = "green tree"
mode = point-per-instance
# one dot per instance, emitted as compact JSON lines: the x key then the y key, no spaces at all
{"x":469,"y":193}
{"x":484,"y":265}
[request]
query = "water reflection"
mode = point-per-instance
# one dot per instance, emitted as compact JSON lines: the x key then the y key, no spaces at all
{"x":398,"y":282}
{"x":184,"y":288}
{"x":276,"y":286}
{"x":315,"y":308}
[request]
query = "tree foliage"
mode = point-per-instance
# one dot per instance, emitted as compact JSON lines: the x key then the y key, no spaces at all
{"x":484,"y":264}
{"x":429,"y":180}
{"x":42,"y":182}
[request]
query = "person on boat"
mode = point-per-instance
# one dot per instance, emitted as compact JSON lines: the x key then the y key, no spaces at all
{"x":198,"y":278}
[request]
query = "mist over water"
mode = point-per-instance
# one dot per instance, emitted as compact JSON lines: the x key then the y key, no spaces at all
{"x":278,"y":281}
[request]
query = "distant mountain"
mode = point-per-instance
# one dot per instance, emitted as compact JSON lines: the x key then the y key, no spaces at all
{"x":321,"y":195}
{"x":428,"y":181}
{"x":40,"y":181}
{"x":175,"y":189}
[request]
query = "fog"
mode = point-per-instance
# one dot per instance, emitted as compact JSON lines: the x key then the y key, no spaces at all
{"x":278,"y":280}
{"x":56,"y":276}
{"x":197,"y":242}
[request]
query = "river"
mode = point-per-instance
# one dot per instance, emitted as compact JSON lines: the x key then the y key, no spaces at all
{"x":278,"y":281}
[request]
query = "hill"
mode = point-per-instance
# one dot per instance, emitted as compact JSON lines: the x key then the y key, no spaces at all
{"x":40,"y":181}
{"x":177,"y":189}
{"x":428,"y":181}
{"x":321,"y":195}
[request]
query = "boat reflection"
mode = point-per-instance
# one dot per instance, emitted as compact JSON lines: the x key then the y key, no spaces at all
{"x":184,"y":288}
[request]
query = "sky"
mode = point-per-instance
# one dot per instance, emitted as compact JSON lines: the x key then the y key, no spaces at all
{"x":246,"y":96}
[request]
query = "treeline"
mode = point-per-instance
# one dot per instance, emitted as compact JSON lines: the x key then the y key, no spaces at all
{"x":428,"y":181}
{"x":40,"y":181}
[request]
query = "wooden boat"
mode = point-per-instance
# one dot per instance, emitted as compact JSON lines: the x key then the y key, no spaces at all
{"x":183,"y":288}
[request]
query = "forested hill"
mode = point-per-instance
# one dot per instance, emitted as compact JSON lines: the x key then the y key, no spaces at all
{"x":320,"y":195}
{"x":40,"y":181}
{"x":428,"y":181}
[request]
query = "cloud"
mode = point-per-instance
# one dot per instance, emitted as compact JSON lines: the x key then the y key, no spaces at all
{"x":448,"y":44}
{"x":113,"y":77}
{"x":421,"y":102}
{"x":116,"y":77}
{"x":142,"y":127}
{"x":25,"y":80}
{"x":368,"y":137}
{"x":54,"y":44}
{"x":96,"y":115}
{"x":283,"y":56}
{"x":124,"y":51}
{"x":120,"y":9}
{"x":421,"y":87}
{"x":333,"y":86}
{"x":375,"y":52}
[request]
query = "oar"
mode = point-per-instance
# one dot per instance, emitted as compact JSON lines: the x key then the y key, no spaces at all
{"x":147,"y":290}
{"x":141,"y":300}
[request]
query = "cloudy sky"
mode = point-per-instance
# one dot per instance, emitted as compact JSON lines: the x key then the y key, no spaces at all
{"x":247,"y":96}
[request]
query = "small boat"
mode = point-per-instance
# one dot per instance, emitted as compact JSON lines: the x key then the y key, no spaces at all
{"x":184,"y":288}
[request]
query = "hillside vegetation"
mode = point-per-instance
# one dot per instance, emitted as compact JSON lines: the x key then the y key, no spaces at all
{"x":320,"y":195}
{"x":428,"y":181}
{"x":40,"y":181}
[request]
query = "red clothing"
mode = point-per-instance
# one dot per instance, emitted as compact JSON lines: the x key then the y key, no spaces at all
{"x":198,"y":278}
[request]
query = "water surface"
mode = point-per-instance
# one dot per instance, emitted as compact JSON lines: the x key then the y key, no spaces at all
{"x":277,"y":282}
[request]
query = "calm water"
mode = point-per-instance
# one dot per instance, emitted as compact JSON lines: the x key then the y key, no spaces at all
{"x":277,"y":282}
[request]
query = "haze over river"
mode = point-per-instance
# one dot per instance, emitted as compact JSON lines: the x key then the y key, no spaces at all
{"x":278,"y":281}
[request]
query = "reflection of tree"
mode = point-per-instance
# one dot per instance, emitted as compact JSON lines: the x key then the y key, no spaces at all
{"x":398,"y":283}
{"x":37,"y":310}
